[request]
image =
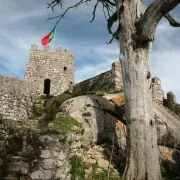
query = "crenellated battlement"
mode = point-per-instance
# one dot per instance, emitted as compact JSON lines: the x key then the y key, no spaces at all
{"x":47,"y":49}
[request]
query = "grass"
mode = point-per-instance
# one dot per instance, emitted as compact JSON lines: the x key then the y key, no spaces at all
{"x":64,"y":124}
{"x":77,"y":168}
{"x":61,"y":125}
{"x":78,"y":171}
{"x":102,"y":175}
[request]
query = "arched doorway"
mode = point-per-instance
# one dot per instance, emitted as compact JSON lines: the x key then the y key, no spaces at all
{"x":47,"y":86}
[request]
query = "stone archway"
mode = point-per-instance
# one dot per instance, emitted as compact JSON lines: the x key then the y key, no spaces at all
{"x":47,"y":86}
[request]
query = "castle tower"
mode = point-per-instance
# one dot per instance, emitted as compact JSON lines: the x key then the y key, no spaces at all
{"x":50,"y":72}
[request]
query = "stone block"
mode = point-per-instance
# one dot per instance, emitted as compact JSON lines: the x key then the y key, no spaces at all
{"x":45,"y":154}
{"x":62,"y":155}
{"x":42,"y":175}
{"x":48,"y":163}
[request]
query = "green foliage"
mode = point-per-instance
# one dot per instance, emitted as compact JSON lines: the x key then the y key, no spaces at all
{"x":102,"y":175}
{"x":51,"y":106}
{"x":77,"y":169}
{"x":64,"y":124}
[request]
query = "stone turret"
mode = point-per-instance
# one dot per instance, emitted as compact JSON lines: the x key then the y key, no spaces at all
{"x":50,"y":72}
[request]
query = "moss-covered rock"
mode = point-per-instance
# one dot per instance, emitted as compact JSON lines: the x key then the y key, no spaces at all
{"x":64,"y":124}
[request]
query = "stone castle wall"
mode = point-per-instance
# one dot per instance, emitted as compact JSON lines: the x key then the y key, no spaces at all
{"x":109,"y":81}
{"x":17,"y":96}
{"x":17,"y":108}
{"x":16,"y":99}
{"x":15,"y":86}
{"x":56,"y":66}
{"x":157,"y":92}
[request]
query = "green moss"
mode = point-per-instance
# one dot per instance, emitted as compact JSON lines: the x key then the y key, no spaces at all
{"x":63,"y":125}
{"x":77,"y":168}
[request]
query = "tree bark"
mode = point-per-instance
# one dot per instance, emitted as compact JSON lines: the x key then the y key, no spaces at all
{"x":142,"y":149}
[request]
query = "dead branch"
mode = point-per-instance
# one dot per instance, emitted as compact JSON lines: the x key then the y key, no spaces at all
{"x":172,"y":21}
{"x":54,"y":3}
{"x":152,"y":16}
{"x":106,"y":3}
{"x":71,"y":7}
{"x":115,"y":35}
{"x":111,"y":21}
{"x":94,"y":11}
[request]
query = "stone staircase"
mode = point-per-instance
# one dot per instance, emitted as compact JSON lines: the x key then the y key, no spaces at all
{"x":14,"y":167}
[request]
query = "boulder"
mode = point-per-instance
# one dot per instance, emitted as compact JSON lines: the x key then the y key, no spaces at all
{"x":98,"y":125}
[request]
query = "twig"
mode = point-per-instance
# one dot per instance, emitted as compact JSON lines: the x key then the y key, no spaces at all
{"x":106,"y":3}
{"x":94,"y":11}
{"x":105,"y":14}
{"x":74,"y":6}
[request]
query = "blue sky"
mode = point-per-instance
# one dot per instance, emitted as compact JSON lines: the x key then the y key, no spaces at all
{"x":23,"y":22}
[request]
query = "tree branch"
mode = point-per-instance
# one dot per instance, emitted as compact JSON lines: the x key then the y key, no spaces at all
{"x":111,"y":21}
{"x":94,"y":11}
{"x":148,"y":22}
{"x":115,"y":35}
{"x":54,"y":3}
{"x":172,"y":21}
{"x":107,"y":4}
{"x":71,"y":7}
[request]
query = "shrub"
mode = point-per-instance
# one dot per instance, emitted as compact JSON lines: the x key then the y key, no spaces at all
{"x":51,"y":106}
{"x":77,"y":168}
{"x":102,"y":175}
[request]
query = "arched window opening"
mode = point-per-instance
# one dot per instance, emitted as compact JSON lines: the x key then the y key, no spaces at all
{"x":47,"y":86}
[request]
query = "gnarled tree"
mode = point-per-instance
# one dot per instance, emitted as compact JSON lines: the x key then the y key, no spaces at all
{"x":135,"y":33}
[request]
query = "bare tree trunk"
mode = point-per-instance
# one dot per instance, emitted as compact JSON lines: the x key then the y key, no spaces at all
{"x":142,"y":149}
{"x":143,"y":154}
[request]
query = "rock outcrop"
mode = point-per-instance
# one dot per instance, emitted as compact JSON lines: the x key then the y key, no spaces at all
{"x":98,"y":125}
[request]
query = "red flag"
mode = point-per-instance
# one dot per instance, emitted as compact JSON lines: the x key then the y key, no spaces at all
{"x":45,"y":40}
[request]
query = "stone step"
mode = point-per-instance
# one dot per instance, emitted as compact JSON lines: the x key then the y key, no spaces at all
{"x":11,"y":178}
{"x":14,"y":167}
{"x":12,"y":174}
{"x":15,"y":158}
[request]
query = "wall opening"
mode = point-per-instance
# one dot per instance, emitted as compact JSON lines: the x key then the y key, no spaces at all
{"x":47,"y":86}
{"x":65,"y":69}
